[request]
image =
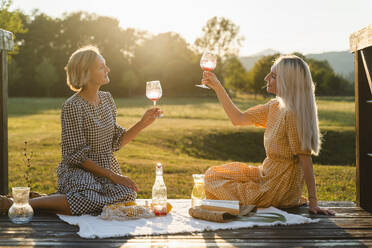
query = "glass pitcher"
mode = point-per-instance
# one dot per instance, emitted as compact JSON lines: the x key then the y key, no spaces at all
{"x":198,"y":192}
{"x":21,"y":211}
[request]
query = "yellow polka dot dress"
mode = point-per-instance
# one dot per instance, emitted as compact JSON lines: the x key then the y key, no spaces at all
{"x":279,"y":180}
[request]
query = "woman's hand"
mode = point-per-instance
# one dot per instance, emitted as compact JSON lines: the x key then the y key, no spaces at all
{"x":314,"y":208}
{"x":210,"y":80}
{"x":150,"y":116}
{"x":124,"y":180}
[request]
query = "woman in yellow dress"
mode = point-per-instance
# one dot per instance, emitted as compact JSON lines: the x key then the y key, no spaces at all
{"x":291,"y":137}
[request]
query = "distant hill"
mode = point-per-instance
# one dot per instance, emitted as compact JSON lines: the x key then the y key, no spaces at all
{"x":248,"y":61}
{"x":342,"y":62}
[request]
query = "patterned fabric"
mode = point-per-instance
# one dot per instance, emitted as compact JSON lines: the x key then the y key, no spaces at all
{"x":90,"y":132}
{"x":279,"y":180}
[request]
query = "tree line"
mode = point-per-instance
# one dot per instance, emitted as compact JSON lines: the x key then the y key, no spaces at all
{"x":44,"y":44}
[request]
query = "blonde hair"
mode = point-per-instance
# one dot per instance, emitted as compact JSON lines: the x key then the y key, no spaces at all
{"x":79,"y":65}
{"x":296,"y":88}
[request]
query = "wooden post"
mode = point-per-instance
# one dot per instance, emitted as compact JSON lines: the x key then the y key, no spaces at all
{"x":361,"y":46}
{"x":6,"y":44}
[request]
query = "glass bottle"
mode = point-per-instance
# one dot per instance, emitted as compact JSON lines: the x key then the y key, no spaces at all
{"x":198,"y":192}
{"x":159,"y":193}
{"x":21,"y":211}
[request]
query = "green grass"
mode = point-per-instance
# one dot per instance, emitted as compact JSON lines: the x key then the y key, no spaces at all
{"x":193,"y":135}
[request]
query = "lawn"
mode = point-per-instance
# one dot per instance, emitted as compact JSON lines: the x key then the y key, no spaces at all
{"x":193,"y":135}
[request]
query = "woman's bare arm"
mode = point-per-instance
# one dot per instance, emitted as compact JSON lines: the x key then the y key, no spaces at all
{"x":236,"y":117}
{"x":307,"y":164}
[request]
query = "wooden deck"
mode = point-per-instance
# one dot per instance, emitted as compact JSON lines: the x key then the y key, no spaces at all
{"x":350,"y":227}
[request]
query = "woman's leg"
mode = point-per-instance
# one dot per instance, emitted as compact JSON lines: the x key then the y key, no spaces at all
{"x":56,"y":203}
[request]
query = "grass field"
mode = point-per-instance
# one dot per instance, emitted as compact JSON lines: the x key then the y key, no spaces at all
{"x":193,"y":135}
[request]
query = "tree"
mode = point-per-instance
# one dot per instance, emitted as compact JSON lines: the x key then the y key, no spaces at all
{"x":257,"y":74}
{"x":46,"y":76}
{"x":167,"y":57}
{"x":56,"y":39}
{"x":11,"y":21}
{"x":235,"y":75}
{"x":129,"y":82}
{"x":220,"y":35}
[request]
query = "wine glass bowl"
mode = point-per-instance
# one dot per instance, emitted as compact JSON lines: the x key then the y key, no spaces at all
{"x":208,"y":63}
{"x":154,"y":92}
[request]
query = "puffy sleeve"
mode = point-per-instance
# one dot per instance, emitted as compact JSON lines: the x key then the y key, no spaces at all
{"x":292,"y":134}
{"x":75,"y":149}
{"x":258,"y":114}
{"x":118,"y":130}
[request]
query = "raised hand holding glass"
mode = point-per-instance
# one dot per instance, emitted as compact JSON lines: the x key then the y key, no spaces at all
{"x":208,"y":63}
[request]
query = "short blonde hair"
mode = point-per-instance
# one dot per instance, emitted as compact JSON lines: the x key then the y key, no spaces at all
{"x":79,"y":65}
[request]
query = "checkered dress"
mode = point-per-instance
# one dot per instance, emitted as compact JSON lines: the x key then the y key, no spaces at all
{"x":90,"y":132}
{"x":279,"y":181}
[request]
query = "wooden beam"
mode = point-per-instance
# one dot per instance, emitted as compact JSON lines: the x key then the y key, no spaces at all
{"x":6,"y":44}
{"x":366,"y":69}
{"x":4,"y":125}
{"x":357,"y":164}
{"x":361,"y":39}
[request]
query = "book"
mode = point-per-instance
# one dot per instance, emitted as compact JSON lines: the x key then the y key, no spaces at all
{"x":231,"y":207}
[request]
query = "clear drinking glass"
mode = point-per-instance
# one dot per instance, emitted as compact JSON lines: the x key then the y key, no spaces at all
{"x":154,"y":91}
{"x":198,"y":192}
{"x":208,"y":63}
{"x":21,"y":211}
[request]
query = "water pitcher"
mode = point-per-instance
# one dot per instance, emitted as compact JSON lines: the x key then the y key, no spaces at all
{"x":20,"y":212}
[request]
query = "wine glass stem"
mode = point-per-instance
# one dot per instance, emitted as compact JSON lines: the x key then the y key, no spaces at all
{"x":154,"y":103}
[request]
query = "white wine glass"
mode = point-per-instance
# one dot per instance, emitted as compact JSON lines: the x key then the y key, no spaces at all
{"x":154,"y":91}
{"x":208,"y":63}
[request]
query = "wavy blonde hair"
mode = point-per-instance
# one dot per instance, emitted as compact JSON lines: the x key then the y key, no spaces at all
{"x":79,"y":65}
{"x":296,"y":88}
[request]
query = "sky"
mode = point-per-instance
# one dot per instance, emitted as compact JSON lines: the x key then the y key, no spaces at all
{"x":311,"y":26}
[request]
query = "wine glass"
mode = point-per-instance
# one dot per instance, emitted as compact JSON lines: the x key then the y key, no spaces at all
{"x":207,"y":62}
{"x":154,"y":91}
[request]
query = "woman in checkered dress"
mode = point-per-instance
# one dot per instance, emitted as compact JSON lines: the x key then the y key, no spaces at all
{"x":291,"y":136}
{"x":89,"y":176}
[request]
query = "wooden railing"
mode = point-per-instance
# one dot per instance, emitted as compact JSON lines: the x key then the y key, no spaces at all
{"x":6,"y":44}
{"x":361,"y":46}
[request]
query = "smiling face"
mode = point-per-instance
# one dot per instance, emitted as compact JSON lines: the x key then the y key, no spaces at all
{"x":99,"y":72}
{"x":271,"y":80}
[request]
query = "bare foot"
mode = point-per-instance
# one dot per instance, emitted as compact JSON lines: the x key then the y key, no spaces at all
{"x":5,"y":204}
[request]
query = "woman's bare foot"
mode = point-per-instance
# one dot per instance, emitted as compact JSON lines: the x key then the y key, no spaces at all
{"x":5,"y":204}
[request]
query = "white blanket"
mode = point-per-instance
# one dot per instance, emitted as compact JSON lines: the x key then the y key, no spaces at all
{"x":178,"y":221}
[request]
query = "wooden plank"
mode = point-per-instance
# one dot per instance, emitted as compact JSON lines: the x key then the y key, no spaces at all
{"x":3,"y":123}
{"x":366,"y":62}
{"x":256,"y":233}
{"x":6,"y":44}
{"x":6,"y":40}
{"x":361,"y":39}
{"x":330,"y":223}
{"x":357,"y":154}
{"x":196,"y":243}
